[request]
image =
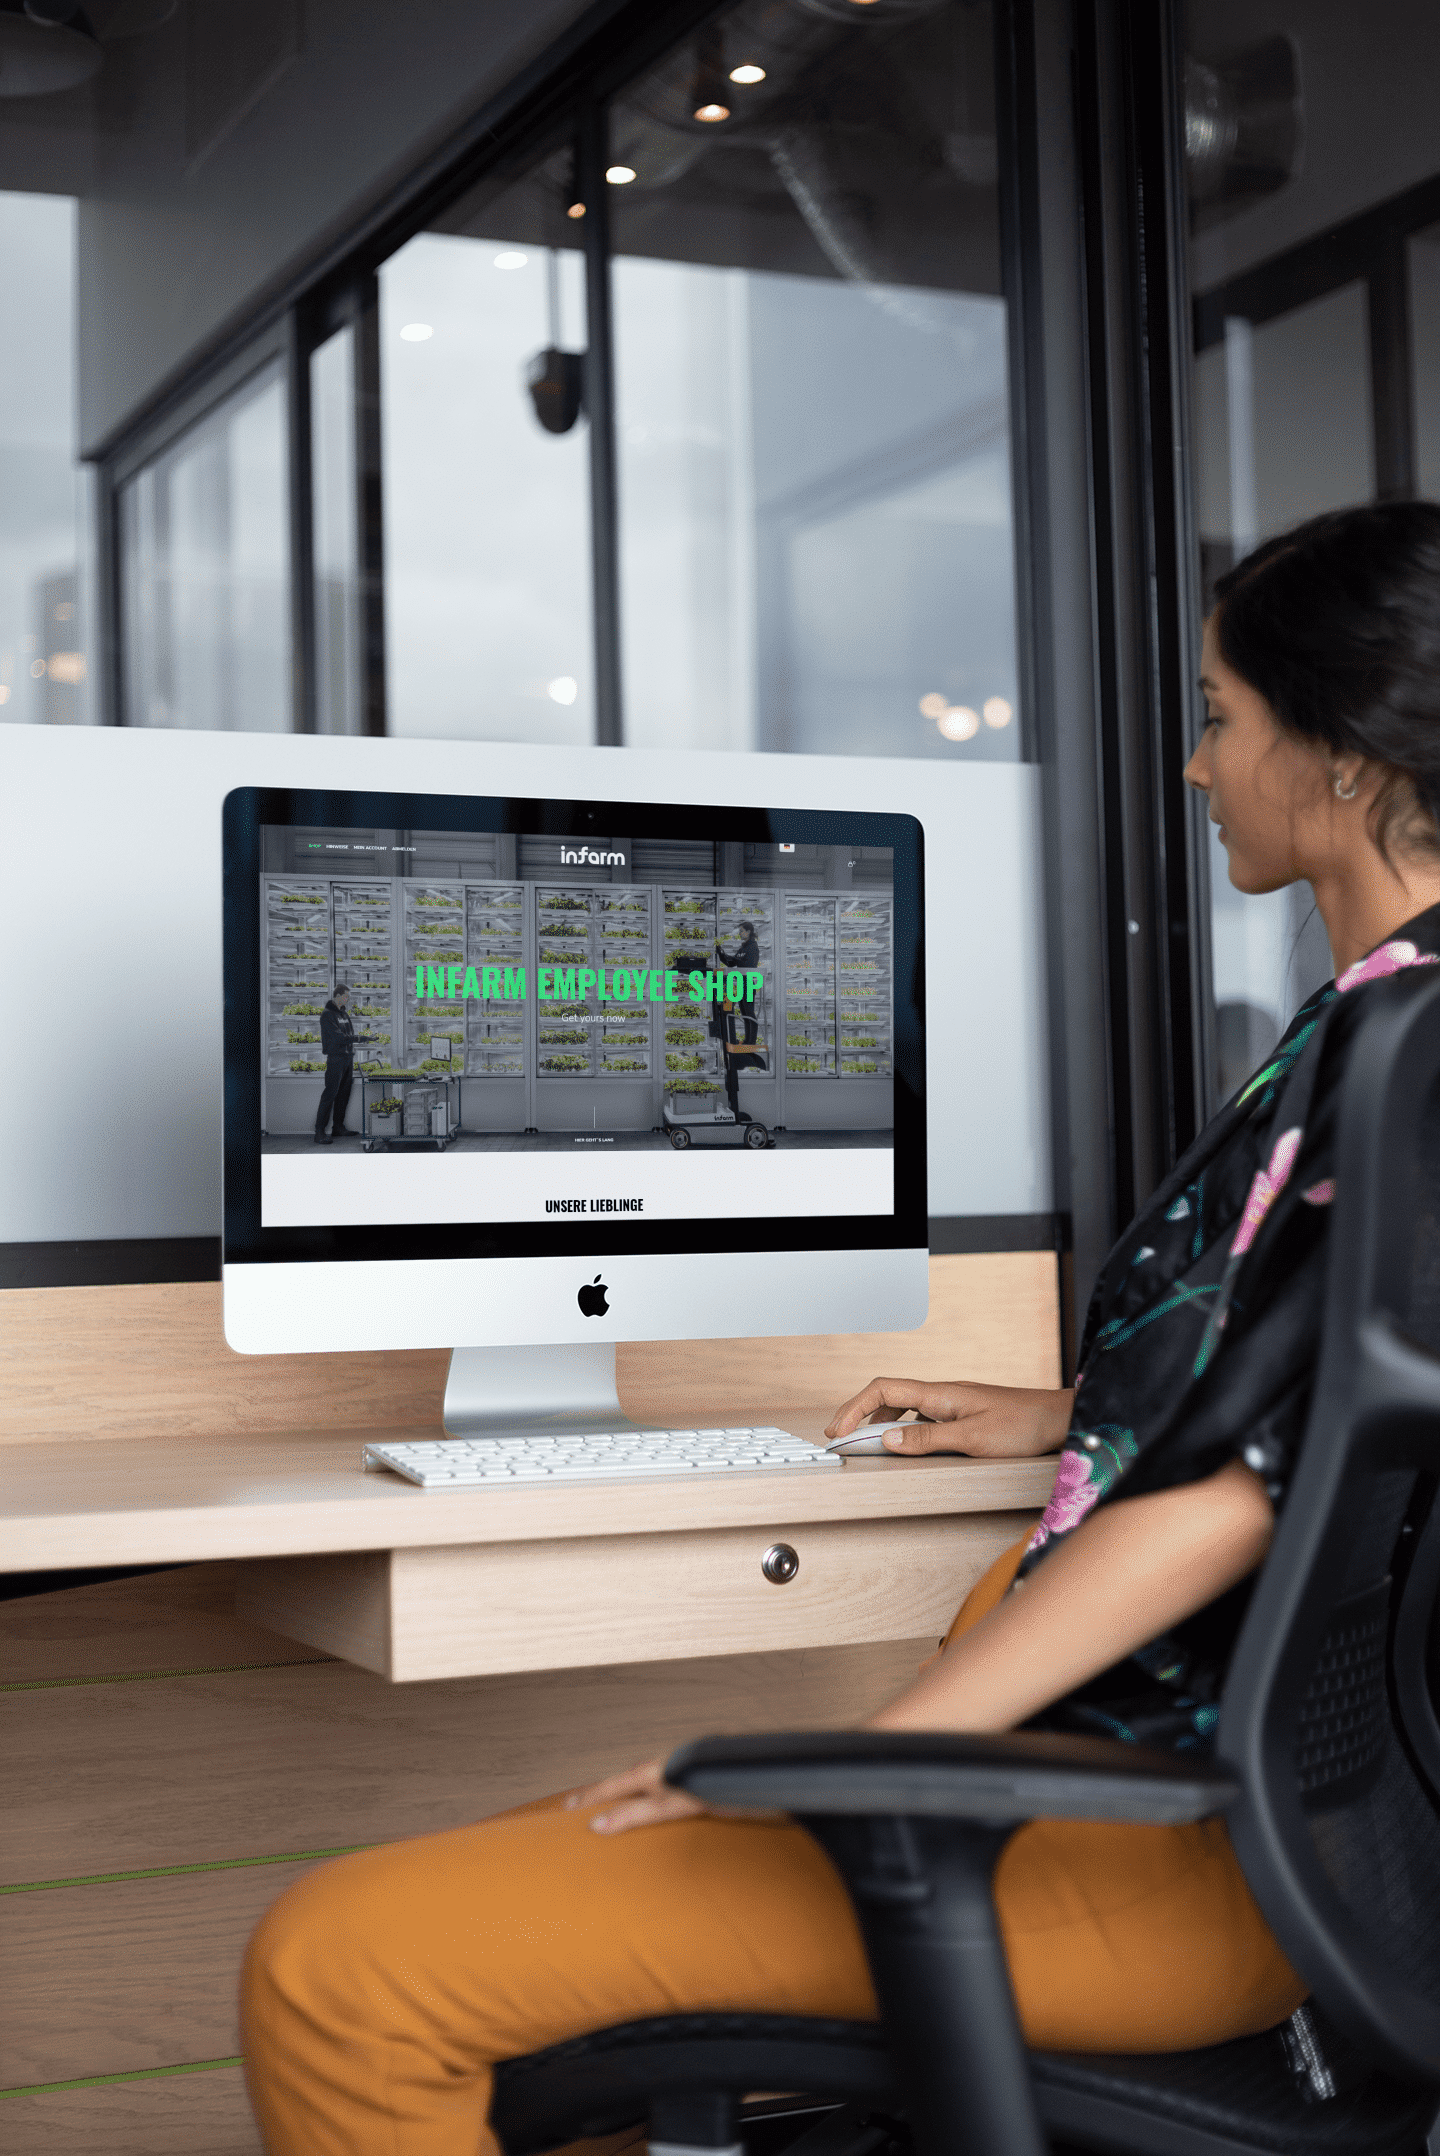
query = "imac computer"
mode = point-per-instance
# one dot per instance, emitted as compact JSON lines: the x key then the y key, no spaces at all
{"x":524,"y":1078}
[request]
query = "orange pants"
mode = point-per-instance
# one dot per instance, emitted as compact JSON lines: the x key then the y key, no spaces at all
{"x":379,"y":1992}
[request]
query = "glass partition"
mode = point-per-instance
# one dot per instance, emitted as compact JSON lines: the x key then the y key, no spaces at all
{"x":205,"y":578}
{"x":339,"y":689}
{"x":811,"y":407}
{"x":45,"y":611}
{"x":486,"y":473}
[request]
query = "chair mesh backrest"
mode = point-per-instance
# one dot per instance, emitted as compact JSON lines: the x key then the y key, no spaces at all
{"x":1327,"y":1712}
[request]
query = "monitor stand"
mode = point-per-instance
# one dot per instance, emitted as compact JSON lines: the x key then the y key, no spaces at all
{"x":532,"y":1391}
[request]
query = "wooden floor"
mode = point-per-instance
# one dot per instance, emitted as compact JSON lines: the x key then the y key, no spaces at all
{"x":146,"y":1728}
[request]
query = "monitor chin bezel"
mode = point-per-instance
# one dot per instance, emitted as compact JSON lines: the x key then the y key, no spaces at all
{"x":248,"y":810}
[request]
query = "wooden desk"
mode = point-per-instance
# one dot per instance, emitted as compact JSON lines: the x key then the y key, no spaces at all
{"x":174,"y":1759}
{"x":418,"y":1584}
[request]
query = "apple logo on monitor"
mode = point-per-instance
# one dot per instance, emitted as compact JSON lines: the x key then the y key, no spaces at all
{"x":592,"y":1299}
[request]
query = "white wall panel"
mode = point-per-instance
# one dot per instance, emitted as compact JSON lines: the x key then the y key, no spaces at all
{"x":110,"y":952}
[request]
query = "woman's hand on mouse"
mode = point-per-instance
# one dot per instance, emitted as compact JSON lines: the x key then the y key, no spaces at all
{"x":991,"y":1422}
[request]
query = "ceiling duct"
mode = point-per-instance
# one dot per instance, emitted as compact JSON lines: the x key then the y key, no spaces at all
{"x":45,"y":46}
{"x":1244,"y":128}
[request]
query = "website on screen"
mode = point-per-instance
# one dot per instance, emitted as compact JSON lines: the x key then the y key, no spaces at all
{"x":466,"y":1027}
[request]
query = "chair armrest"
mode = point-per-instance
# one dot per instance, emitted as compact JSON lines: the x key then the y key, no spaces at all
{"x":1003,"y":1779}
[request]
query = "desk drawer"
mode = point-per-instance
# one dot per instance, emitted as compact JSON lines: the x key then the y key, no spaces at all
{"x":464,"y":1610}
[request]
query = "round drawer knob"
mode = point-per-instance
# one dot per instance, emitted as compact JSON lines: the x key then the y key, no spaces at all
{"x":780,"y":1563}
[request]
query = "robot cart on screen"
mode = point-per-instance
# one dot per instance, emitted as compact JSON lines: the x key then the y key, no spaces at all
{"x":424,"y":1121}
{"x":705,"y":1119}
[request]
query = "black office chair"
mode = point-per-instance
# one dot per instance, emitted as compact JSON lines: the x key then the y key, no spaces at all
{"x":1328,"y":1766}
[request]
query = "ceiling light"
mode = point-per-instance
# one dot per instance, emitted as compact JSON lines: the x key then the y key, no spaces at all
{"x":997,"y":712}
{"x":512,"y":258}
{"x":934,"y":706}
{"x":416,"y":332}
{"x":712,"y":112}
{"x":565,"y":690}
{"x":576,"y":209}
{"x":619,"y":175}
{"x":960,"y":723}
{"x":747,"y":73}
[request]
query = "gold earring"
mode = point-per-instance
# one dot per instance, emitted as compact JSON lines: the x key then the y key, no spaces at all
{"x":1344,"y":792}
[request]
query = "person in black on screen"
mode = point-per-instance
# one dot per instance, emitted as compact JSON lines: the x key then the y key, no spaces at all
{"x":737,"y":1055}
{"x":337,"y":1039}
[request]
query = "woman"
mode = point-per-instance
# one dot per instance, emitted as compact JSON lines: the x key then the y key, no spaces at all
{"x":379,"y":1992}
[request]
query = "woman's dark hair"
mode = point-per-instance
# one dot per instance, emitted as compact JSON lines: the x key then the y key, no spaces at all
{"x":1337,"y":625}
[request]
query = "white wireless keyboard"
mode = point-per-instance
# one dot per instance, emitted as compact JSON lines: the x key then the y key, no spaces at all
{"x":454,"y":1463}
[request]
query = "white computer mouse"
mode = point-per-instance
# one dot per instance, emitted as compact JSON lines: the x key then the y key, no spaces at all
{"x":867,"y":1439}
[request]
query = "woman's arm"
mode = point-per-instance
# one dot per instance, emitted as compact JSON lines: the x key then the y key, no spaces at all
{"x":1127,"y":1574}
{"x":994,"y":1422}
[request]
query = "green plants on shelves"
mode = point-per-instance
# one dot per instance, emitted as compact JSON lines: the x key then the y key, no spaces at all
{"x":625,"y":1063}
{"x":436,"y":904}
{"x":853,"y":1068}
{"x":298,"y":1063}
{"x":564,"y":1063}
{"x":436,"y":1063}
{"x":391,"y":1105}
{"x":302,"y":898}
{"x":442,"y":958}
{"x":372,"y":1010}
{"x":683,"y":1063}
{"x":860,"y":1040}
{"x":556,"y":1037}
{"x":625,"y":1040}
{"x":300,"y":1010}
{"x":293,"y":1033}
{"x":683,"y":1036}
{"x":439,"y":1010}
{"x":688,"y":905}
{"x":560,"y":902}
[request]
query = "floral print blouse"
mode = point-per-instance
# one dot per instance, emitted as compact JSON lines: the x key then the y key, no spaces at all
{"x":1202,"y":1338}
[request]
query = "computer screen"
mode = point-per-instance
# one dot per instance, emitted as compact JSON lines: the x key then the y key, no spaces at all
{"x":480,"y":1032}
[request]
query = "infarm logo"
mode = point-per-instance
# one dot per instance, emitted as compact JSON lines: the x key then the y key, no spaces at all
{"x":589,"y":856}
